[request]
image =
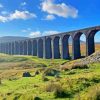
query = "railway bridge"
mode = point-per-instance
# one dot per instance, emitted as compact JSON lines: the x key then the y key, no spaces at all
{"x":48,"y":46}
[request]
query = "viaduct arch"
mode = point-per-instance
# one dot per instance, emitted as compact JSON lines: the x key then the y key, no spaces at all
{"x":48,"y":46}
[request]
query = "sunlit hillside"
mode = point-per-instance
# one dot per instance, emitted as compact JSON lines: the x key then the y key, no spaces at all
{"x":83,"y":48}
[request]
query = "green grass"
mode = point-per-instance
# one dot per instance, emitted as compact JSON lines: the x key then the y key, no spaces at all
{"x":74,"y":84}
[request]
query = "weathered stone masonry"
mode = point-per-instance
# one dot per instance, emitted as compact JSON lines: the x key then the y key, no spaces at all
{"x":48,"y":46}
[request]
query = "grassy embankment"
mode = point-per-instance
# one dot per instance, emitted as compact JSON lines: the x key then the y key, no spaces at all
{"x":51,"y":83}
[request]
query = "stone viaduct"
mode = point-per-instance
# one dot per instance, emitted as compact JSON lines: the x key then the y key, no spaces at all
{"x":48,"y":46}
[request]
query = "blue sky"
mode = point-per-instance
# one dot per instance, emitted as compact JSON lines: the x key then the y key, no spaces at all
{"x":44,"y":17}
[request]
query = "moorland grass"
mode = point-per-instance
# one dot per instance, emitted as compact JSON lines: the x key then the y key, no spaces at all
{"x":73,"y":83}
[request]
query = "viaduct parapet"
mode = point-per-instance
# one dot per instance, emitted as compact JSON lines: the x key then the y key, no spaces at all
{"x":48,"y":46}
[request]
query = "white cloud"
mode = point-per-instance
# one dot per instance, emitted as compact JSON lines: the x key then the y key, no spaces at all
{"x":21,"y":15}
{"x":26,"y":30}
{"x":35,"y":34}
{"x":61,"y":10}
{"x":50,"y":32}
{"x":50,"y":17}
{"x":23,"y":3}
{"x":3,"y":19}
{"x":1,"y":6}
{"x":38,"y":33}
{"x":17,"y":15}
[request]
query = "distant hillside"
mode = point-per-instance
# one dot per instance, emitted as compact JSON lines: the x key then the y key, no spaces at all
{"x":16,"y":38}
{"x":97,"y":42}
{"x":70,"y":41}
{"x":11,"y":38}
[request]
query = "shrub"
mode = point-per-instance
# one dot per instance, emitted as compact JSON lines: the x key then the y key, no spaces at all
{"x":0,"y":81}
{"x":35,"y":86}
{"x":17,"y":97}
{"x":26,"y":96}
{"x":36,"y":72}
{"x":50,"y":87}
{"x":97,"y":96}
{"x":4,"y":98}
{"x":44,"y":78}
{"x":60,"y":93}
{"x":74,"y":66}
{"x":82,"y":79}
{"x":13,"y":78}
{"x":57,"y":76}
{"x":80,"y":66}
{"x":39,"y":65}
{"x":83,"y":83}
{"x":9,"y":93}
{"x":95,"y":79}
{"x":37,"y":98}
{"x":51,"y":72}
{"x":71,"y":72}
{"x":94,"y":94}
{"x":86,"y":84}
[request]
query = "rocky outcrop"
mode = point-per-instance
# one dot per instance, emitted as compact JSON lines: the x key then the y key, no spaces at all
{"x":26,"y":74}
{"x":82,"y":63}
{"x":95,"y":57}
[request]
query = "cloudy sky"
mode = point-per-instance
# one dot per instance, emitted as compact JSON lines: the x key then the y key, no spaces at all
{"x":34,"y":18}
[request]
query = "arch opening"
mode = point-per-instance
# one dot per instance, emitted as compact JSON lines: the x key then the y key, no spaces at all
{"x":97,"y":41}
{"x":91,"y":42}
{"x":83,"y":45}
{"x":78,"y":47}
{"x":70,"y":47}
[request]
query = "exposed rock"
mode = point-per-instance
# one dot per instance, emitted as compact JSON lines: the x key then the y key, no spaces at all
{"x":95,"y":57}
{"x":26,"y":74}
{"x":82,"y":63}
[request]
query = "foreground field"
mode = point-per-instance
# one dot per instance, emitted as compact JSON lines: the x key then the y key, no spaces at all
{"x":47,"y":81}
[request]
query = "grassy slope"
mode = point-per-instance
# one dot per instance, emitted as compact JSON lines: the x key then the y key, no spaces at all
{"x":76,"y":83}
